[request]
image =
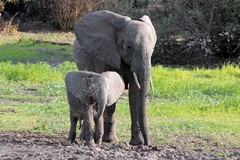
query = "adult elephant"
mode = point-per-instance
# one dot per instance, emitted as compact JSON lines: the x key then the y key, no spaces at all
{"x":106,"y":41}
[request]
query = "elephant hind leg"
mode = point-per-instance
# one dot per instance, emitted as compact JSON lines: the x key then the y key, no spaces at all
{"x":88,"y":127}
{"x":72,"y":133}
{"x":98,"y":130}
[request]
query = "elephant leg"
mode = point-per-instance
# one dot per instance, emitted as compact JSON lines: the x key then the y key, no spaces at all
{"x":110,"y":124}
{"x":83,"y":126}
{"x":73,"y":103}
{"x":98,"y":130}
{"x":88,"y":128}
{"x":72,"y":133}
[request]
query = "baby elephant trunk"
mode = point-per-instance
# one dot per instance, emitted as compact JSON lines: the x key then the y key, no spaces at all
{"x":101,"y":101}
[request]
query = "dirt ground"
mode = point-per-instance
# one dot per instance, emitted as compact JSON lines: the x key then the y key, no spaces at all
{"x":31,"y":145}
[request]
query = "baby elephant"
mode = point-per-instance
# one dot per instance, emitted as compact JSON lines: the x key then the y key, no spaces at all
{"x":88,"y":93}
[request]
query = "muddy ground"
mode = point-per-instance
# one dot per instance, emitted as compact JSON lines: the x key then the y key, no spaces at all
{"x":31,"y":145}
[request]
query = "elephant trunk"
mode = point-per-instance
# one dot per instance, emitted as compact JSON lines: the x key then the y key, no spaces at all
{"x":142,"y":107}
{"x":101,"y":101}
{"x":138,"y":99}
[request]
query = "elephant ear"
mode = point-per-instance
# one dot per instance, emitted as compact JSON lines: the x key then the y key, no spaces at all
{"x":73,"y":82}
{"x":97,"y":34}
{"x":147,"y":20}
{"x":116,"y":87}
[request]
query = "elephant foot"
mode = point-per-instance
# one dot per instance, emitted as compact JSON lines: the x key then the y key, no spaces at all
{"x":110,"y":138}
{"x":137,"y":140}
{"x":82,"y":136}
{"x":98,"y":141}
{"x":90,"y":143}
{"x":72,"y":137}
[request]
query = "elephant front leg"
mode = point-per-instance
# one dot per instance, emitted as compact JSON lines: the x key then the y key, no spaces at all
{"x":110,"y":124}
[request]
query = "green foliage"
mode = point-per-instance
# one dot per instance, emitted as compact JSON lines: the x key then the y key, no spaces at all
{"x":65,"y":13}
{"x":39,"y":72}
{"x":194,"y":17}
{"x":127,"y":9}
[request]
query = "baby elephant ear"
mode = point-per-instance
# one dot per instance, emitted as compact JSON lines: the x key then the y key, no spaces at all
{"x":116,"y":87}
{"x":97,"y":34}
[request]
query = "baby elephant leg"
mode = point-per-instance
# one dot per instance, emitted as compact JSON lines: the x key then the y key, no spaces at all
{"x":72,"y":133}
{"x":73,"y":103}
{"x":99,"y":130}
{"x":83,"y":126}
{"x":88,"y":125}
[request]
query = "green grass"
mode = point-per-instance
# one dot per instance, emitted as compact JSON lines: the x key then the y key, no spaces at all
{"x":196,"y":102}
{"x":30,"y":47}
{"x":33,"y":96}
{"x":199,"y":103}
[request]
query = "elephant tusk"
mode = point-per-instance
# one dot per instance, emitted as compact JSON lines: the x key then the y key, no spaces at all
{"x":136,"y":80}
{"x":151,"y":84}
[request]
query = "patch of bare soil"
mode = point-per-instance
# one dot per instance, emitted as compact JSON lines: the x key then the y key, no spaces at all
{"x":32,"y":145}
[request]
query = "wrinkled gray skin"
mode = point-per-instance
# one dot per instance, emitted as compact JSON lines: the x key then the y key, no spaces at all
{"x":90,"y":93}
{"x":107,"y":41}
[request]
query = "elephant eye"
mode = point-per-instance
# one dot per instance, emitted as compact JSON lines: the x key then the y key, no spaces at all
{"x":129,"y":47}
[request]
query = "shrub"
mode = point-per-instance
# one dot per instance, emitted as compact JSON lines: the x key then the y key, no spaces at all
{"x":65,"y":12}
{"x":7,"y":27}
{"x":195,"y":16}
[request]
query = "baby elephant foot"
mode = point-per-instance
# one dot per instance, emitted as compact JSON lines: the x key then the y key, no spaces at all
{"x":98,"y":140}
{"x":90,"y":143}
{"x":112,"y":138}
{"x":82,"y":136}
{"x":137,"y":140}
{"x":72,"y":137}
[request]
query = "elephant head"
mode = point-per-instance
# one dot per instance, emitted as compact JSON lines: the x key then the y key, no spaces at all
{"x":120,"y":41}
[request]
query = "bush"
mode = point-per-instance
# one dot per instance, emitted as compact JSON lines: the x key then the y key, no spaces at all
{"x":195,"y":17}
{"x":129,"y":9}
{"x":7,"y":27}
{"x":65,"y":12}
{"x":196,"y":32}
{"x":8,"y":11}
